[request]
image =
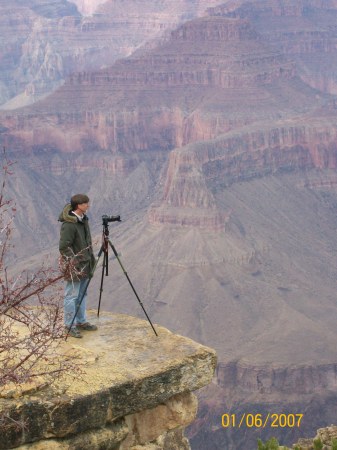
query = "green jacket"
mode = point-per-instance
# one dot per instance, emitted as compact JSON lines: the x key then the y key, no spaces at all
{"x":75,"y":246}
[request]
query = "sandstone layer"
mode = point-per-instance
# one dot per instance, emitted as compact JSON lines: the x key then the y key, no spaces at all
{"x":133,"y":389}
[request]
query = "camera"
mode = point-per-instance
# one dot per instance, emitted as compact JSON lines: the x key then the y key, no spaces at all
{"x":106,"y":219}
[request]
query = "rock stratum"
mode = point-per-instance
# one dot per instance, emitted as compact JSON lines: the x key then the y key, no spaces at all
{"x":134,"y":391}
{"x":305,"y":30}
{"x":44,"y":42}
{"x":191,"y":88}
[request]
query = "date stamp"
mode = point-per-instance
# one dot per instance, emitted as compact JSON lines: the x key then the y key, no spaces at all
{"x":272,"y":420}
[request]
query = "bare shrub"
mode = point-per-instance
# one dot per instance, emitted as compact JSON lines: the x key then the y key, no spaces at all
{"x":31,"y":313}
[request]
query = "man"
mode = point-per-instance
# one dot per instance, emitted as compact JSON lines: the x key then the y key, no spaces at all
{"x":78,"y":262}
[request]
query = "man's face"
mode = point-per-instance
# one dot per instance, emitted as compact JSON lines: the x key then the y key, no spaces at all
{"x":83,"y":207}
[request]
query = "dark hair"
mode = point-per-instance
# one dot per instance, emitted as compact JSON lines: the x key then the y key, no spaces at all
{"x":78,"y":199}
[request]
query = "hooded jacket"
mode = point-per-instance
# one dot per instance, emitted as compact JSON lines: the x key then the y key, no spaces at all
{"x":75,"y":245}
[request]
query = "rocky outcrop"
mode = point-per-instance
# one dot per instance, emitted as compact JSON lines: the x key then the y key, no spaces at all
{"x":186,"y":199}
{"x":133,"y":388}
{"x":326,"y":436}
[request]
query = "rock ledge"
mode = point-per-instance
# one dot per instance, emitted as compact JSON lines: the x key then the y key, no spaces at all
{"x":135,"y":392}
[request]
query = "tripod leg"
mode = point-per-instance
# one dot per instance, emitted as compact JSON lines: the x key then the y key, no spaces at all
{"x":134,"y":290}
{"x":105,"y":262}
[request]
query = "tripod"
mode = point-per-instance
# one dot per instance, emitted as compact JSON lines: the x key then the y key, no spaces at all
{"x":106,"y":242}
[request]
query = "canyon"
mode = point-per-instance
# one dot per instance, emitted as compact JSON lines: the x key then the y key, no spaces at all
{"x":45,"y":41}
{"x":218,"y":147}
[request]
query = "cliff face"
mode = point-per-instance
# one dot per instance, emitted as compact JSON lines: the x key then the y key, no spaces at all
{"x":195,"y":170}
{"x":126,"y":397}
{"x":305,"y":30}
{"x":280,"y":380}
{"x":276,"y":8}
{"x":30,"y":63}
{"x":45,"y":42}
{"x":194,"y":87}
{"x":186,"y":199}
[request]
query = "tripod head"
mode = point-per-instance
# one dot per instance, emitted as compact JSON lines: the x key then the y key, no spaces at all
{"x":105,"y":222}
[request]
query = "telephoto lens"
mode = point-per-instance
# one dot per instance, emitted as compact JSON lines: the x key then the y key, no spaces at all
{"x":107,"y":219}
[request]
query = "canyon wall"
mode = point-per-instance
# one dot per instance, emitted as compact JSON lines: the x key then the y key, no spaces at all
{"x":277,"y":8}
{"x":286,"y":380}
{"x":305,"y":30}
{"x":44,"y":43}
{"x":196,"y":170}
{"x":191,"y":88}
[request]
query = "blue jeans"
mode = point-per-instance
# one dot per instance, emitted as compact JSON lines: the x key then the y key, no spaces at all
{"x":72,"y":296}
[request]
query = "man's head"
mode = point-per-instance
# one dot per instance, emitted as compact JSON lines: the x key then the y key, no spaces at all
{"x":79,"y":203}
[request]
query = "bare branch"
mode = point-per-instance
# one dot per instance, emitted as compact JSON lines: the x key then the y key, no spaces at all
{"x":31,"y":319}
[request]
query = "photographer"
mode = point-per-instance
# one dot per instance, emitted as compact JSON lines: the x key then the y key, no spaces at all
{"x":78,"y":261}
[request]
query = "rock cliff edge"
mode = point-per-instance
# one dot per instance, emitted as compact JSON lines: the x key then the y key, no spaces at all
{"x":134,"y":392}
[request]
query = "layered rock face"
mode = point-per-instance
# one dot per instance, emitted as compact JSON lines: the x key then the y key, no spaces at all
{"x":286,"y":380}
{"x":45,"y":42}
{"x":306,"y":30}
{"x":241,"y":156}
{"x":29,"y":61}
{"x":192,"y":88}
{"x":130,"y":396}
{"x":284,"y":8}
{"x":186,"y":199}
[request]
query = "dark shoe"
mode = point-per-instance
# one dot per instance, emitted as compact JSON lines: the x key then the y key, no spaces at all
{"x":73,"y":332}
{"x":86,"y":326}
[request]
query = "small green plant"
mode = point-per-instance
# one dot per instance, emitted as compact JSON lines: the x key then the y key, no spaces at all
{"x":260,"y":445}
{"x":334,"y":444}
{"x":272,"y":444}
{"x":318,"y":444}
